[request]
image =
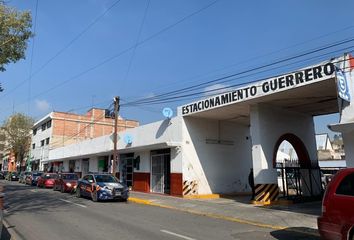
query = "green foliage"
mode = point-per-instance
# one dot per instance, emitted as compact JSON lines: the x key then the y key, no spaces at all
{"x":15,"y":30}
{"x":17,"y":130}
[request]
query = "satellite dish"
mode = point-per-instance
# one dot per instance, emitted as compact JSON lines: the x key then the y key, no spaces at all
{"x":128,"y":139}
{"x":167,"y":112}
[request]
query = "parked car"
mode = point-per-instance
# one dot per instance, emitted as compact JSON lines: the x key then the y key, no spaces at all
{"x":12,"y":176}
{"x":22,"y":177}
{"x":337,"y":220}
{"x":3,"y":174}
{"x":65,"y":182}
{"x":32,"y":178}
{"x":47,"y":180}
{"x":101,"y":187}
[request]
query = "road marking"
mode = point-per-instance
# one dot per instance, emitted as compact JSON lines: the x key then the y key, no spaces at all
{"x":67,"y":201}
{"x":177,"y":235}
{"x":34,"y":190}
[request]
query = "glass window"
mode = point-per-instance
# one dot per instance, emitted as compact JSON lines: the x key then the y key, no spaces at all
{"x":33,"y":146}
{"x":70,"y":176}
{"x":105,"y":178}
{"x":42,"y":143}
{"x":47,"y":141}
{"x":34,"y":131}
{"x":49,"y":123}
{"x":44,"y":126}
{"x":346,"y":187}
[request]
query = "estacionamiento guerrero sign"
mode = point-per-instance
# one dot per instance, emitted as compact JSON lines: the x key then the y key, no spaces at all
{"x":295,"y":79}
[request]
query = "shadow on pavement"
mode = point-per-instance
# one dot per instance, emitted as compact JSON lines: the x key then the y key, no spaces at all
{"x":18,"y":198}
{"x":295,"y":233}
{"x":5,"y":235}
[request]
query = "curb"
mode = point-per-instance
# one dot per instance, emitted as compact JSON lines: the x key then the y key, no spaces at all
{"x":222,"y":217}
{"x":204,"y":196}
{"x":139,"y":200}
{"x":13,"y":233}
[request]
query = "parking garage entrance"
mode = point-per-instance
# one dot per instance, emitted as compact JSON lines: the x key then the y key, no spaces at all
{"x":297,"y":177}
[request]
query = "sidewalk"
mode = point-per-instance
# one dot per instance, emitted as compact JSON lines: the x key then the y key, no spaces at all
{"x":301,"y":216}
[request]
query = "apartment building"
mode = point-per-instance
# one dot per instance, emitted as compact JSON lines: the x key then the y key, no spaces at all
{"x":59,"y":129}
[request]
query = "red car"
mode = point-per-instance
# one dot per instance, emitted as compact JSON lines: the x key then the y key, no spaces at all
{"x":337,"y":220}
{"x":46,"y":180}
{"x":65,"y":182}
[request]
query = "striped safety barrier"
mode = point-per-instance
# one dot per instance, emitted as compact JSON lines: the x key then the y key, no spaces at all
{"x":266,"y":192}
{"x":190,"y":188}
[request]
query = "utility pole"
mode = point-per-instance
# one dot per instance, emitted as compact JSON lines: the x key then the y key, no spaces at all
{"x":115,"y":136}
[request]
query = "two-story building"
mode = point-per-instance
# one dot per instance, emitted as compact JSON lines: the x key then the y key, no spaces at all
{"x":59,"y":129}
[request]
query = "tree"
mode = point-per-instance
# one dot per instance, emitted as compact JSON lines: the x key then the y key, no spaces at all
{"x":15,"y":31}
{"x":17,"y":130}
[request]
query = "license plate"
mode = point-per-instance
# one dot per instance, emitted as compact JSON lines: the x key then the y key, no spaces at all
{"x":116,"y":193}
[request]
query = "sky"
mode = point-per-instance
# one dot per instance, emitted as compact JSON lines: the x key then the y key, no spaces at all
{"x":86,"y":52}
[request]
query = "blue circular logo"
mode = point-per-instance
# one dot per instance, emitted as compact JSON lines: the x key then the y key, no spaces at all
{"x":167,"y":112}
{"x":128,"y":139}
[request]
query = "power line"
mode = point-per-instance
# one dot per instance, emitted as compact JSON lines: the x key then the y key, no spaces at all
{"x":63,"y":49}
{"x":197,"y":94}
{"x":107,"y":60}
{"x":137,"y":40}
{"x":31,"y":61}
{"x":191,"y":88}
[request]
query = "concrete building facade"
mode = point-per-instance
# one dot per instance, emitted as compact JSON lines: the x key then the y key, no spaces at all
{"x":211,"y":145}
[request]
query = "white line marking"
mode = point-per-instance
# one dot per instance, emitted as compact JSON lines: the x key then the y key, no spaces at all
{"x":80,"y":205}
{"x":34,"y":190}
{"x":177,"y":235}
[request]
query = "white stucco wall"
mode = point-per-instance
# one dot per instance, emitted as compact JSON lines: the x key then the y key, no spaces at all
{"x":268,"y":124}
{"x":217,"y":168}
{"x":348,"y":138}
{"x":144,"y":161}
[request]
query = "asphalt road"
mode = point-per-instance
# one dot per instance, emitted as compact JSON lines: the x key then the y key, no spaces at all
{"x":44,"y":214}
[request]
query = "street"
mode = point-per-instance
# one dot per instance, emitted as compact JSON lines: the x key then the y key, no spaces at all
{"x":44,"y":214}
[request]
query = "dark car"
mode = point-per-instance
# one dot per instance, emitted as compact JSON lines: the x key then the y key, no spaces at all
{"x":102,"y":187}
{"x":337,"y":220}
{"x":65,"y":182}
{"x":32,"y":178}
{"x":46,"y":180}
{"x":12,"y":176}
{"x":3,"y":174}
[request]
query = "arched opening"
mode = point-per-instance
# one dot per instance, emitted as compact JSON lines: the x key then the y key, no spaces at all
{"x":290,"y":158}
{"x":298,"y":147}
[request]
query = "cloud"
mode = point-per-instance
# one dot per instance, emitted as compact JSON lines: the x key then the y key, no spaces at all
{"x":219,"y":88}
{"x":42,"y":105}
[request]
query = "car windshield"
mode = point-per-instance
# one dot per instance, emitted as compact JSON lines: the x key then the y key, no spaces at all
{"x":105,"y":178}
{"x":48,"y":176}
{"x":70,"y":176}
{"x":37,"y":174}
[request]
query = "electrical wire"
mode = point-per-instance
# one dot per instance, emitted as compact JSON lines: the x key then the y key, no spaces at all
{"x":190,"y":88}
{"x":63,"y":49}
{"x":197,"y":94}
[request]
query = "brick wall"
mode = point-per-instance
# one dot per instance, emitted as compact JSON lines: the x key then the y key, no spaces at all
{"x":69,"y":128}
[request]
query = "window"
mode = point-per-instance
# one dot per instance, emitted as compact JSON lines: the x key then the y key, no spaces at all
{"x":346,"y":187}
{"x":44,"y":126}
{"x":33,"y":146}
{"x":34,"y":131}
{"x":49,"y":123}
{"x":47,"y":141}
{"x":42,"y":143}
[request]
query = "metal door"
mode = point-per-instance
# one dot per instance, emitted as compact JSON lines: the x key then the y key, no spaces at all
{"x":85,"y":167}
{"x":157,"y":173}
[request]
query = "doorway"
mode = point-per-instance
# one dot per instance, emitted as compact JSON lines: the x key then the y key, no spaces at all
{"x":126,"y":168}
{"x":160,"y":171}
{"x":85,"y":166}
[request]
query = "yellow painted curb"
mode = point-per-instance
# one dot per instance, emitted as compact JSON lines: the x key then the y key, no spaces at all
{"x":139,"y":200}
{"x":273,"y":203}
{"x":203,"y":196}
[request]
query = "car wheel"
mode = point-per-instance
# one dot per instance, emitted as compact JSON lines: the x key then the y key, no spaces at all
{"x":94,"y":196}
{"x":78,"y":192}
